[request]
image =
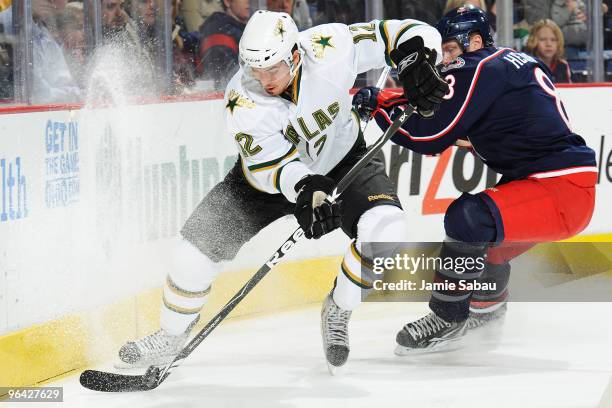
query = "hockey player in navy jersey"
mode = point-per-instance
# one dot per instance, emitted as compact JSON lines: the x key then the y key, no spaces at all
{"x":503,"y":105}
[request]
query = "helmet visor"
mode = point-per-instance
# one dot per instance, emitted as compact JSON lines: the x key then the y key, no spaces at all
{"x":273,"y":80}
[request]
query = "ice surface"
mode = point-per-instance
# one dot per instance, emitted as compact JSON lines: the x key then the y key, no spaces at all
{"x":543,"y":355}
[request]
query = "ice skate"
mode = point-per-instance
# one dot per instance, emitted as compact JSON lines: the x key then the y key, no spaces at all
{"x":428,"y":334}
{"x":156,"y":349}
{"x":334,"y":331}
{"x":481,"y":317}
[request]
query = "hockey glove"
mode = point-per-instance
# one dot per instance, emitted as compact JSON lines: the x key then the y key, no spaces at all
{"x":316,"y":216}
{"x":422,"y":84}
{"x":365,"y":101}
{"x":370,"y":98}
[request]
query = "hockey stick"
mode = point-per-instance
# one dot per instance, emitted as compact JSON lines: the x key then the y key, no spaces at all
{"x":111,"y":382}
{"x":380,"y":85}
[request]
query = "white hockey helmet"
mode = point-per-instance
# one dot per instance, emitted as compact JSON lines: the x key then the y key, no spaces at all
{"x":269,"y":37}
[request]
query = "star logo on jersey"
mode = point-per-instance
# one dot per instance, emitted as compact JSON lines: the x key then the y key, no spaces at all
{"x":280,"y":29}
{"x":236,"y":100}
{"x":320,"y":43}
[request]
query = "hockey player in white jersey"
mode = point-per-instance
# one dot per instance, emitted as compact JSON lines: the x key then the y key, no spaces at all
{"x":288,"y":109}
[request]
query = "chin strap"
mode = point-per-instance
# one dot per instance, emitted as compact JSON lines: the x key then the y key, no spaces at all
{"x":293,"y":68}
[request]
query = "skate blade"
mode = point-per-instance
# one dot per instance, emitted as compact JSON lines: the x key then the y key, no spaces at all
{"x":334,"y":370}
{"x":496,"y":322}
{"x":450,"y":345}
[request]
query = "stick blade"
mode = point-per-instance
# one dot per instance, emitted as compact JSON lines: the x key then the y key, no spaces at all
{"x":111,"y":382}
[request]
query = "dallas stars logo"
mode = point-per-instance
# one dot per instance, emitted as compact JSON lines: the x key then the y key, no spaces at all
{"x":280,"y":29}
{"x":236,"y":100}
{"x":320,"y":43}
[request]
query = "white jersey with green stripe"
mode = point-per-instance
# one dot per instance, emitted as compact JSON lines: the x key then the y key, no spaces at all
{"x":282,"y":139}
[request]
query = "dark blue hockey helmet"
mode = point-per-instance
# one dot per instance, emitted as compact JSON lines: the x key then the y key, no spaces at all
{"x":459,"y":23}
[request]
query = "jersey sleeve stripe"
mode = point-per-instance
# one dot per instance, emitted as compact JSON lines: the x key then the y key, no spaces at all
{"x":248,"y":176}
{"x":277,"y":176}
{"x":564,"y":172}
{"x":272,"y":163}
{"x":382,"y":26}
{"x":461,"y":111}
{"x":402,"y":30}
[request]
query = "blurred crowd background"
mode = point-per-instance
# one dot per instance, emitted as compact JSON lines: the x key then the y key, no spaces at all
{"x":63,"y":51}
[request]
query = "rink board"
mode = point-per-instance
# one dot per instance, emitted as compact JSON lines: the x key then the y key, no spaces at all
{"x":91,"y":199}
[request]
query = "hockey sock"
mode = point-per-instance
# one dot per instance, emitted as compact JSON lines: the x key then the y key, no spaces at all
{"x":496,"y":278}
{"x":384,"y":223}
{"x":186,"y":288}
{"x":354,"y":280}
{"x":461,"y":265}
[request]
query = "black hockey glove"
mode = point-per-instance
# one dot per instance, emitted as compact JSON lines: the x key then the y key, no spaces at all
{"x":422,"y":84}
{"x":365,"y":101}
{"x":316,"y":216}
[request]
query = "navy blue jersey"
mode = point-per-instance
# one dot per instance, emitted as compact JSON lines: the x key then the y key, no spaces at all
{"x":506,"y":105}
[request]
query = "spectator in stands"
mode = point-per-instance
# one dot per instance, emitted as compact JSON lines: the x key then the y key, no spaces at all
{"x":6,"y":67}
{"x":536,"y":10}
{"x":298,"y":9}
{"x":52,"y":79}
{"x":338,"y":11}
{"x":119,"y":29}
{"x":453,"y":4}
{"x":608,"y":28}
{"x":195,"y":12}
{"x":144,"y":13}
{"x":185,"y":44}
{"x":218,"y":55}
{"x":491,"y":13}
{"x":123,"y":64}
{"x":429,"y":11}
{"x":185,"y":49}
{"x":546,"y":42}
{"x":301,"y":14}
{"x":114,"y":17}
{"x":6,"y":52}
{"x":6,"y":17}
{"x":72,"y":39}
{"x":571,"y":17}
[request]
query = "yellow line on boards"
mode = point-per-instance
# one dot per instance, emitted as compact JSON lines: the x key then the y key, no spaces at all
{"x":47,"y":351}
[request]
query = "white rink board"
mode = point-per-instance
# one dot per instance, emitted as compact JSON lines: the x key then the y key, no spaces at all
{"x":86,"y":219}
